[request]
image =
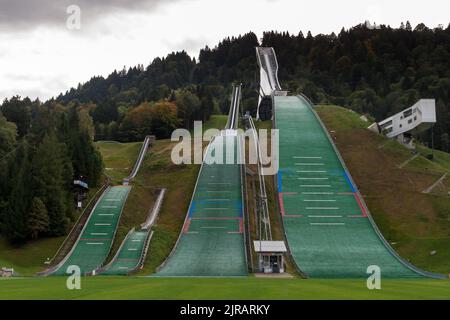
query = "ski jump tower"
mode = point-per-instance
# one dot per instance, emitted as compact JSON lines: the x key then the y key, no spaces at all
{"x":269,"y":85}
{"x":413,"y":120}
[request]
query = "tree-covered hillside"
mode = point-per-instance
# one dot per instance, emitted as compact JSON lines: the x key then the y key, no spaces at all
{"x":376,"y":71}
{"x":43,"y":148}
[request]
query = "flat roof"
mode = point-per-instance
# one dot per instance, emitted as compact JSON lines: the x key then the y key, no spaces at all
{"x":269,"y":246}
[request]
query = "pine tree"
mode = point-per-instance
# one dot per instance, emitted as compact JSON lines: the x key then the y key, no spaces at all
{"x":86,"y":159}
{"x":408,"y":26}
{"x":16,"y":217}
{"x":38,"y":220}
{"x":18,"y":110}
{"x":49,"y":171}
{"x":8,"y":133}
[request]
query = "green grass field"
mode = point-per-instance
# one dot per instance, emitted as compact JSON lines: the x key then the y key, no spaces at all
{"x":219,"y":288}
{"x":215,"y":122}
{"x":28,"y":259}
{"x":119,"y":158}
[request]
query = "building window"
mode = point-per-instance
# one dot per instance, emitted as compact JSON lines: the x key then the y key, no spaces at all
{"x":387,"y":124}
{"x":407,"y":113}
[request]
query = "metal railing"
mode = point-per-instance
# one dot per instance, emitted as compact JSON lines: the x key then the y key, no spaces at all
{"x":265,"y":230}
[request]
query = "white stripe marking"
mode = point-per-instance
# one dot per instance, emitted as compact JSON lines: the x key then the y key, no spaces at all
{"x":322,"y":208}
{"x":320,"y":200}
{"x":312,"y":178}
{"x":226,"y":183}
{"x":109,"y":207}
{"x":325,"y":216}
{"x":326,"y":224}
{"x":315,"y":185}
{"x":103,"y":224}
{"x":98,"y":234}
{"x":213,"y":227}
{"x":106,"y":214}
{"x":94,"y":243}
{"x":309,"y":164}
{"x":317,"y":193}
{"x":307,"y":157}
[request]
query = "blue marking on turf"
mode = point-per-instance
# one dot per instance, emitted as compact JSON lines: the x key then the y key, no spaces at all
{"x":240,"y":208}
{"x":279,"y":181}
{"x":349,"y":182}
{"x":191,"y":209}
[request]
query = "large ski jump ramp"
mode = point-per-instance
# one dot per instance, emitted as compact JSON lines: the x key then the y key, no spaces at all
{"x":212,"y":240}
{"x":328,"y":228}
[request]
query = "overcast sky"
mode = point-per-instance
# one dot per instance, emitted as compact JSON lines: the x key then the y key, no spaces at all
{"x":41,"y":57}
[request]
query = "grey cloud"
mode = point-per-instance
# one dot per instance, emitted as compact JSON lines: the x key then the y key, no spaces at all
{"x":190,"y":45}
{"x":34,"y":86}
{"x":19,"y":15}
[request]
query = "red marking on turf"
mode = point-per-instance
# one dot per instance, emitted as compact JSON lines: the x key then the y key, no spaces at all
{"x":186,"y":225}
{"x":280,"y":200}
{"x":217,"y":218}
{"x":241,"y":226}
{"x":363,"y":210}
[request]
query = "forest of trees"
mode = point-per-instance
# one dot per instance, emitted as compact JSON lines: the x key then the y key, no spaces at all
{"x":43,"y":147}
{"x":375,"y":71}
